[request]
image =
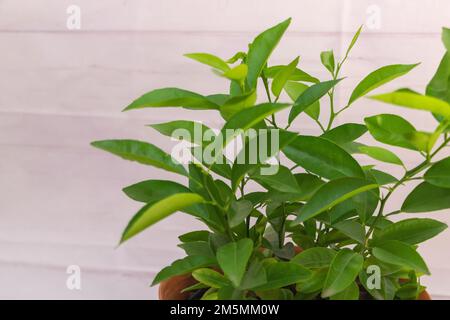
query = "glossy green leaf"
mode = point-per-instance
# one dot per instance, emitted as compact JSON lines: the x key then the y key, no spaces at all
{"x":282,"y":274}
{"x":283,"y":76}
{"x":345,"y":133}
{"x":294,"y":90}
{"x":410,"y":231}
{"x":172,"y":97}
{"x":210,"y":277}
{"x":383,"y":178}
{"x":150,"y":214}
{"x":237,"y":103}
{"x":233,"y":258}
{"x":238,"y":73}
{"x":322,"y":157}
{"x":153,"y":190}
{"x":190,"y":131}
{"x":344,"y":269}
{"x":415,"y":101}
{"x":353,"y":41}
{"x":182,"y":266}
{"x":210,"y":60}
{"x":379,"y":77}
{"x":255,"y":275}
{"x":394,"y":130}
{"x":260,"y":50}
{"x":313,"y":258}
{"x":349,"y":293}
{"x":309,"y":96}
{"x":238,"y":56}
{"x":197,"y":248}
{"x":327,"y":58}
{"x":381,"y":154}
{"x":439,"y":86}
{"x":201,"y":235}
{"x":439,"y":174}
{"x":283,"y":180}
{"x":427,"y":197}
{"x":331,"y":194}
{"x":401,"y":254}
{"x":352,"y":229}
{"x":243,"y":164}
{"x":314,"y":283}
{"x":446,"y":37}
{"x":297,"y":75}
{"x":142,"y":152}
{"x":239,"y":210}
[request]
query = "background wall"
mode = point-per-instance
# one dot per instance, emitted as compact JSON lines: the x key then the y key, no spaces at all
{"x":61,"y":201}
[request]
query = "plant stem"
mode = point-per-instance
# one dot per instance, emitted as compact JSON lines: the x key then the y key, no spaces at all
{"x":266,"y":87}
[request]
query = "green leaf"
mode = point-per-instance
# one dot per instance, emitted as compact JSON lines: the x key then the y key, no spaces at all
{"x":396,"y":131}
{"x":282,"y":274}
{"x":265,"y":139}
{"x":322,"y":157}
{"x":439,"y":174}
{"x":294,"y":90}
{"x":309,"y":96}
{"x":446,"y":37}
{"x":233,"y":258}
{"x":410,"y":231}
{"x":283,"y":180}
{"x":142,"y":152}
{"x":238,"y":73}
{"x":182,"y":266}
{"x":313,"y":258}
{"x":345,"y":133}
{"x":381,"y":154}
{"x":201,"y":235}
{"x":379,"y":77}
{"x":239,"y":210}
{"x":283,"y":76}
{"x":439,"y":86}
{"x":327,"y":58}
{"x":153,"y":190}
{"x":210,"y":60}
{"x":237,"y":103}
{"x":314,"y":283}
{"x":350,"y":293}
{"x":255,"y":276}
{"x":354,"y":39}
{"x":197,"y":248}
{"x":245,"y":120}
{"x":352,"y":229}
{"x":190,"y":131}
{"x":427,"y":197}
{"x":150,"y":214}
{"x":331,"y":194}
{"x":401,"y":254}
{"x":210,"y":278}
{"x":344,"y":269}
{"x":260,"y":50}
{"x":415,"y":101}
{"x":238,"y":56}
{"x":383,"y":178}
{"x":297,"y":75}
{"x":172,"y":97}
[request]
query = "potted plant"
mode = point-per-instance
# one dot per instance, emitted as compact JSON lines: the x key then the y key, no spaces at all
{"x":314,"y":224}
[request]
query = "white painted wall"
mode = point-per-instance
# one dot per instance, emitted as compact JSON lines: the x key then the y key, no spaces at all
{"x":61,"y":200}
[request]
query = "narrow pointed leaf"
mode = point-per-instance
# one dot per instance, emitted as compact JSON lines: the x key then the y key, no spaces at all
{"x":427,"y":197}
{"x":172,"y":97}
{"x":210,"y":60}
{"x":381,"y":154}
{"x":211,"y":278}
{"x":283,"y":76}
{"x":282,"y":274}
{"x":260,"y":50}
{"x":294,"y":90}
{"x":142,"y":152}
{"x":311,"y":95}
{"x":379,"y":77}
{"x":331,"y":194}
{"x":152,"y":213}
{"x":439,"y":174}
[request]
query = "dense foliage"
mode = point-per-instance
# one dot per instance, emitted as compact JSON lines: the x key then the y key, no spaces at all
{"x":321,"y":199}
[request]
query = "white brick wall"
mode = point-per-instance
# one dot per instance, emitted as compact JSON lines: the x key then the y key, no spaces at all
{"x":61,"y":200}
